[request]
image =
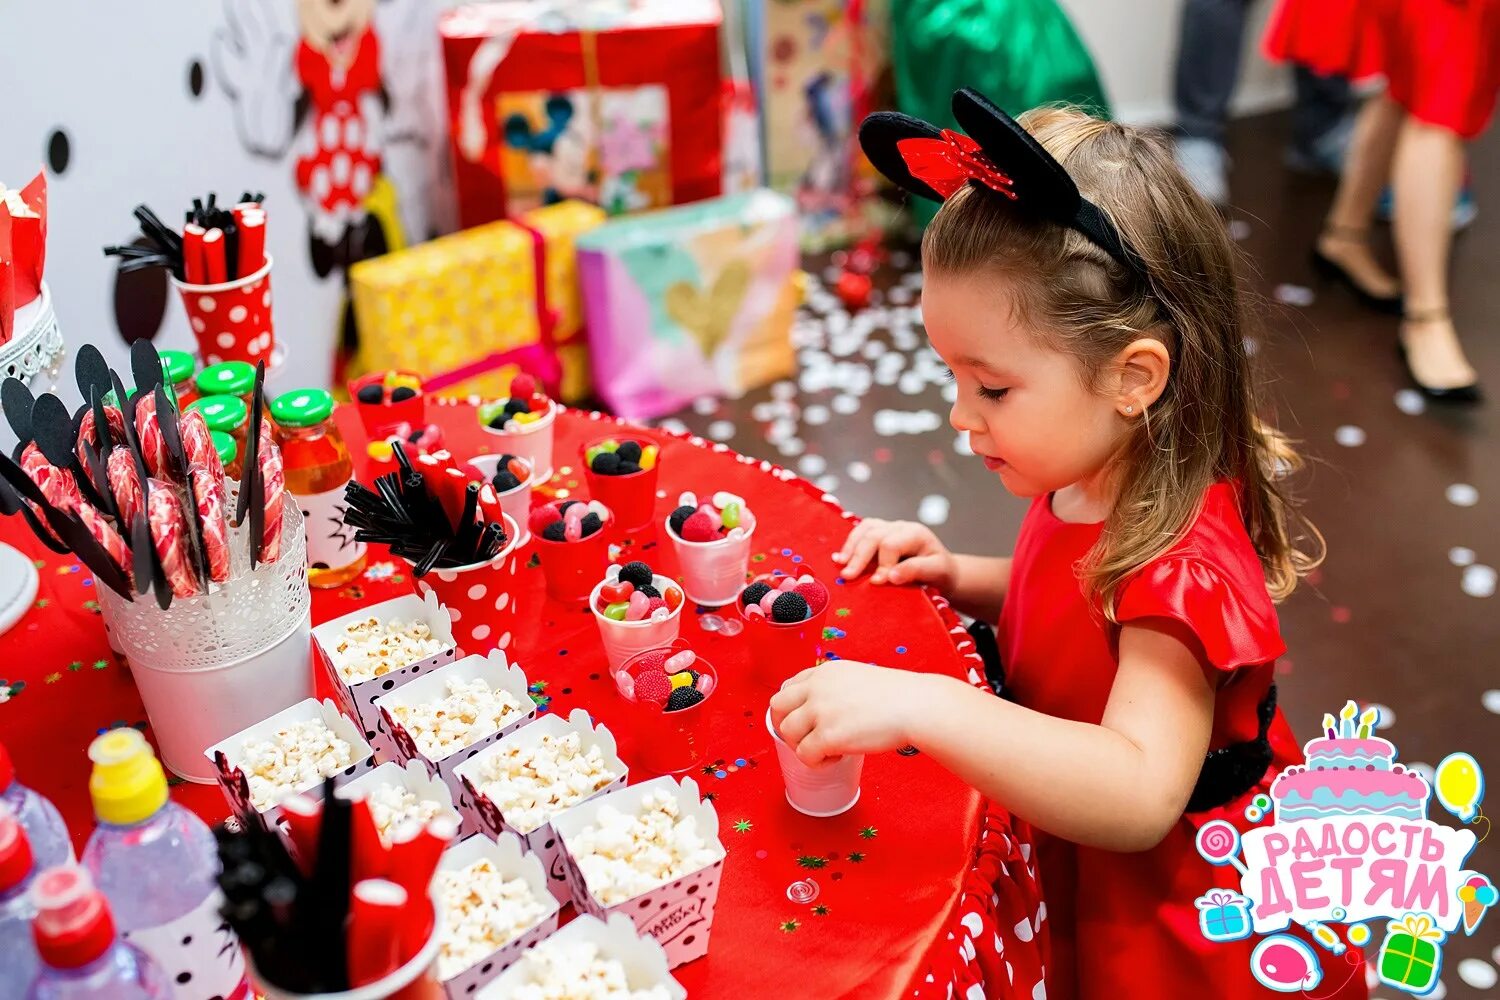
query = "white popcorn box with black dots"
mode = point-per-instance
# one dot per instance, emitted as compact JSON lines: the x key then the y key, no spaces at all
{"x":510,"y":861}
{"x":409,"y":777}
{"x":677,"y":915}
{"x":358,"y":698}
{"x":499,"y":674}
{"x":643,"y":960}
{"x":228,"y":757}
{"x":541,"y":840}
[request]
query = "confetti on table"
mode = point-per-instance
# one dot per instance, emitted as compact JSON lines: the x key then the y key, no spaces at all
{"x":933,"y":509}
{"x":858,"y":471}
{"x":721,"y":430}
{"x":1410,"y":402}
{"x":1460,"y":556}
{"x":1294,"y":295}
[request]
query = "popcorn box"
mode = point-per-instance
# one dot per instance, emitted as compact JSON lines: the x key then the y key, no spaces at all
{"x":505,"y":853}
{"x":228,"y":756}
{"x":541,"y":840}
{"x":644,"y":962}
{"x":357,"y":699}
{"x":677,"y":915}
{"x":501,"y":675}
{"x":410,"y":777}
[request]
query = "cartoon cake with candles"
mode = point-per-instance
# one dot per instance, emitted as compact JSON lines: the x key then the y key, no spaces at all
{"x":1350,"y":772}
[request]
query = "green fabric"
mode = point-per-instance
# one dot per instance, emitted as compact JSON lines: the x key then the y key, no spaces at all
{"x":1018,"y":53}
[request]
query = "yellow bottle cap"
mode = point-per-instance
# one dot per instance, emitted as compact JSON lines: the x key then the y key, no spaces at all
{"x":127,"y":784}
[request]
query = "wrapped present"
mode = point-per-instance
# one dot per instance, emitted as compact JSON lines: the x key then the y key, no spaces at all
{"x":690,"y":301}
{"x":559,"y":225}
{"x":23,"y":249}
{"x":470,"y":309}
{"x":1410,"y":955}
{"x":1223,"y":915}
{"x":609,"y":101}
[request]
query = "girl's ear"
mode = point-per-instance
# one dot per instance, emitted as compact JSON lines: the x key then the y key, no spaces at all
{"x":1140,"y":376}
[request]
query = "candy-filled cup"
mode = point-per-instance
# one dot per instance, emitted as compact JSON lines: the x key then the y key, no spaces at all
{"x":379,"y":418}
{"x":713,"y":573}
{"x":480,"y":597}
{"x":827,"y":789}
{"x":671,"y":742}
{"x":572,"y":568}
{"x":632,"y":497}
{"x":779,"y":651}
{"x":622,"y":640}
{"x":532,"y":442}
{"x":516,"y":502}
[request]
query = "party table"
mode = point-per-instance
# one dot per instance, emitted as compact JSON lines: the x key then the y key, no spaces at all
{"x":922,"y":889}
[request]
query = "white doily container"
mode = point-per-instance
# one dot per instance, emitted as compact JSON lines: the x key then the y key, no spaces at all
{"x":213,"y":665}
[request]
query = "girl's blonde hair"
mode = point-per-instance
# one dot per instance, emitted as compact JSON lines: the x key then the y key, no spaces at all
{"x":1205,"y":426}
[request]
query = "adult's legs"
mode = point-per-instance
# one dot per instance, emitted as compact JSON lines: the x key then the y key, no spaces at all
{"x":1428,"y":172}
{"x":1208,"y":63}
{"x":1367,"y":168}
{"x":1321,"y":121}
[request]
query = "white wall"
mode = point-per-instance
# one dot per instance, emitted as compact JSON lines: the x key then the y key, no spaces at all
{"x":1134,"y":43}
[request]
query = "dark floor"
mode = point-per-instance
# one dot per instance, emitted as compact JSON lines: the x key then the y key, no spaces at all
{"x":1401,"y":614}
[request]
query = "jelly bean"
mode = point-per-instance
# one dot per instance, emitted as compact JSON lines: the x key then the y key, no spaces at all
{"x":575,"y":513}
{"x":679,"y":662}
{"x":710,"y":510}
{"x":616,"y":591}
{"x":519,"y":469}
{"x":613,"y":573}
{"x":705,"y":684}
{"x":755,"y":610}
{"x":673,"y":597}
{"x":617,"y":611}
{"x":787,"y":584}
{"x":595,"y":507}
{"x":687,"y":499}
{"x":639,"y":605}
{"x":806,"y":578}
{"x":626,"y":684}
{"x":681,"y":680}
{"x":526,"y":418}
{"x":572,"y":530}
{"x":731,"y":515}
{"x":736,"y":533}
{"x":648,"y":456}
{"x":768,"y":600}
{"x":489,"y":411}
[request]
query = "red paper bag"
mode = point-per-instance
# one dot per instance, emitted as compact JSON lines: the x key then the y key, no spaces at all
{"x":621,"y":111}
{"x":23,"y":250}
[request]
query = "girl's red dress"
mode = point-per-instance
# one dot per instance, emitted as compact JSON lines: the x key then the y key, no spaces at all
{"x":1125,"y":925}
{"x":1438,"y":56}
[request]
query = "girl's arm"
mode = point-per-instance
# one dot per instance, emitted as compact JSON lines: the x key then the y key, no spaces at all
{"x":979,"y":585}
{"x":1120,"y":785}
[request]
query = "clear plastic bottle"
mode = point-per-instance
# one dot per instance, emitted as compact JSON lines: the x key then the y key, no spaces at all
{"x":159,"y":865}
{"x":44,"y":826}
{"x":82,"y":958}
{"x":17,"y":872}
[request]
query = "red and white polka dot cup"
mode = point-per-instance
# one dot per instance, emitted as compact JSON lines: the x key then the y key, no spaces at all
{"x":231,"y":320}
{"x":480,"y":597}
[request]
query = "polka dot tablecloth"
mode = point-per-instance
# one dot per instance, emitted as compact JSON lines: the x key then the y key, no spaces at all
{"x":922,"y":889}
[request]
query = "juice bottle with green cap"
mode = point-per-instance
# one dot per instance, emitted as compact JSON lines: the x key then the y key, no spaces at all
{"x":226,"y":415}
{"x":229,"y":452}
{"x":180,"y":367}
{"x":318,"y":467}
{"x":227,"y":378}
{"x":158,"y":865}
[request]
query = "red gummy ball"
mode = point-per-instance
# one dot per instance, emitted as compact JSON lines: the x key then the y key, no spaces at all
{"x":542,"y":516}
{"x":699,"y":528}
{"x":653,"y":685}
{"x":814,"y":593}
{"x":522,"y":386}
{"x":853,"y":289}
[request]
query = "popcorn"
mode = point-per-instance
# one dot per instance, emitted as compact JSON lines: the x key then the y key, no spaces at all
{"x":568,"y":970}
{"x":531,"y":784}
{"x":300,"y":755}
{"x":622,"y":856}
{"x":471,"y":710}
{"x":370,"y":648}
{"x":392,"y":806}
{"x":482,"y":912}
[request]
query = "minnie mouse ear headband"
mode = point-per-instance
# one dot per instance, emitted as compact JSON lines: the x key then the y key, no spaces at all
{"x":998,"y":154}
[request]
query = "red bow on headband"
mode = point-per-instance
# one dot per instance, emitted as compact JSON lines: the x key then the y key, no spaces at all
{"x":946,"y":164}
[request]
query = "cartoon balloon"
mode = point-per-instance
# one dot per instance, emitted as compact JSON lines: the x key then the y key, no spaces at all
{"x":1460,"y":785}
{"x":1285,"y":964}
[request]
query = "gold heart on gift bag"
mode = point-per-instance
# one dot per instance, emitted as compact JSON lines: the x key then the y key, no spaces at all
{"x":708,"y":316}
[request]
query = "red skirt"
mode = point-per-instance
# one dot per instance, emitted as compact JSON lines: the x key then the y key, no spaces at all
{"x":1332,"y":37}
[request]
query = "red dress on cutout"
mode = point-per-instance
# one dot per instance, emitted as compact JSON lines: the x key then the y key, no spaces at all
{"x":1125,"y":925}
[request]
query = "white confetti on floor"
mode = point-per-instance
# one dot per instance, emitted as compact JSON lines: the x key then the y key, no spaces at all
{"x":1491,"y":700}
{"x":889,"y":423}
{"x":900,"y":295}
{"x":815,"y":415}
{"x":705,"y":405}
{"x":1239,"y":230}
{"x":828,"y":483}
{"x":1478,"y":973}
{"x":933,"y":509}
{"x":1250,"y":345}
{"x":1460,"y":556}
{"x":812,"y":465}
{"x":1479,"y":580}
{"x":845,"y":404}
{"x":721,"y":430}
{"x":1439,"y":991}
{"x":961,"y":444}
{"x":1462,"y":495}
{"x":673,"y":426}
{"x":874,"y":349}
{"x":859,"y":472}
{"x":1349,"y":436}
{"x":1410,"y":402}
{"x":783,"y":391}
{"x":792,"y":447}
{"x":900,"y":260}
{"x":1294,"y":295}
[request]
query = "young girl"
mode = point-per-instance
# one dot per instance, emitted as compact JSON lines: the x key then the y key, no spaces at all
{"x":1091,"y":313}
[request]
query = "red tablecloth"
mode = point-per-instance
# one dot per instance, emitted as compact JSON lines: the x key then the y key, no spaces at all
{"x":921,"y":887}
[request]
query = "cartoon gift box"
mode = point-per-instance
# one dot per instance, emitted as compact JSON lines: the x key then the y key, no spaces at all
{"x":690,"y":301}
{"x":613,"y":103}
{"x":1223,"y":915}
{"x":1411,"y":954}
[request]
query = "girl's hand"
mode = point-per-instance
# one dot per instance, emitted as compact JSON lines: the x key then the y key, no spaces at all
{"x":843,"y":707}
{"x":901,"y":552}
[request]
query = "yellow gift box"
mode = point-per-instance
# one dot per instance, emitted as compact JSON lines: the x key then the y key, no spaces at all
{"x":454,"y":301}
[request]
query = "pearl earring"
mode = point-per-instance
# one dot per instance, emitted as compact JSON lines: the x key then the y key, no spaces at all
{"x":1129,"y":409}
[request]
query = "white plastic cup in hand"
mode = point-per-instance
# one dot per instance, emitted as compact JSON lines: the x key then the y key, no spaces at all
{"x":827,"y":789}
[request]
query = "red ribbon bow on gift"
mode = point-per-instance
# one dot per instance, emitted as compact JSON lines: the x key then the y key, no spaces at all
{"x":946,"y":164}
